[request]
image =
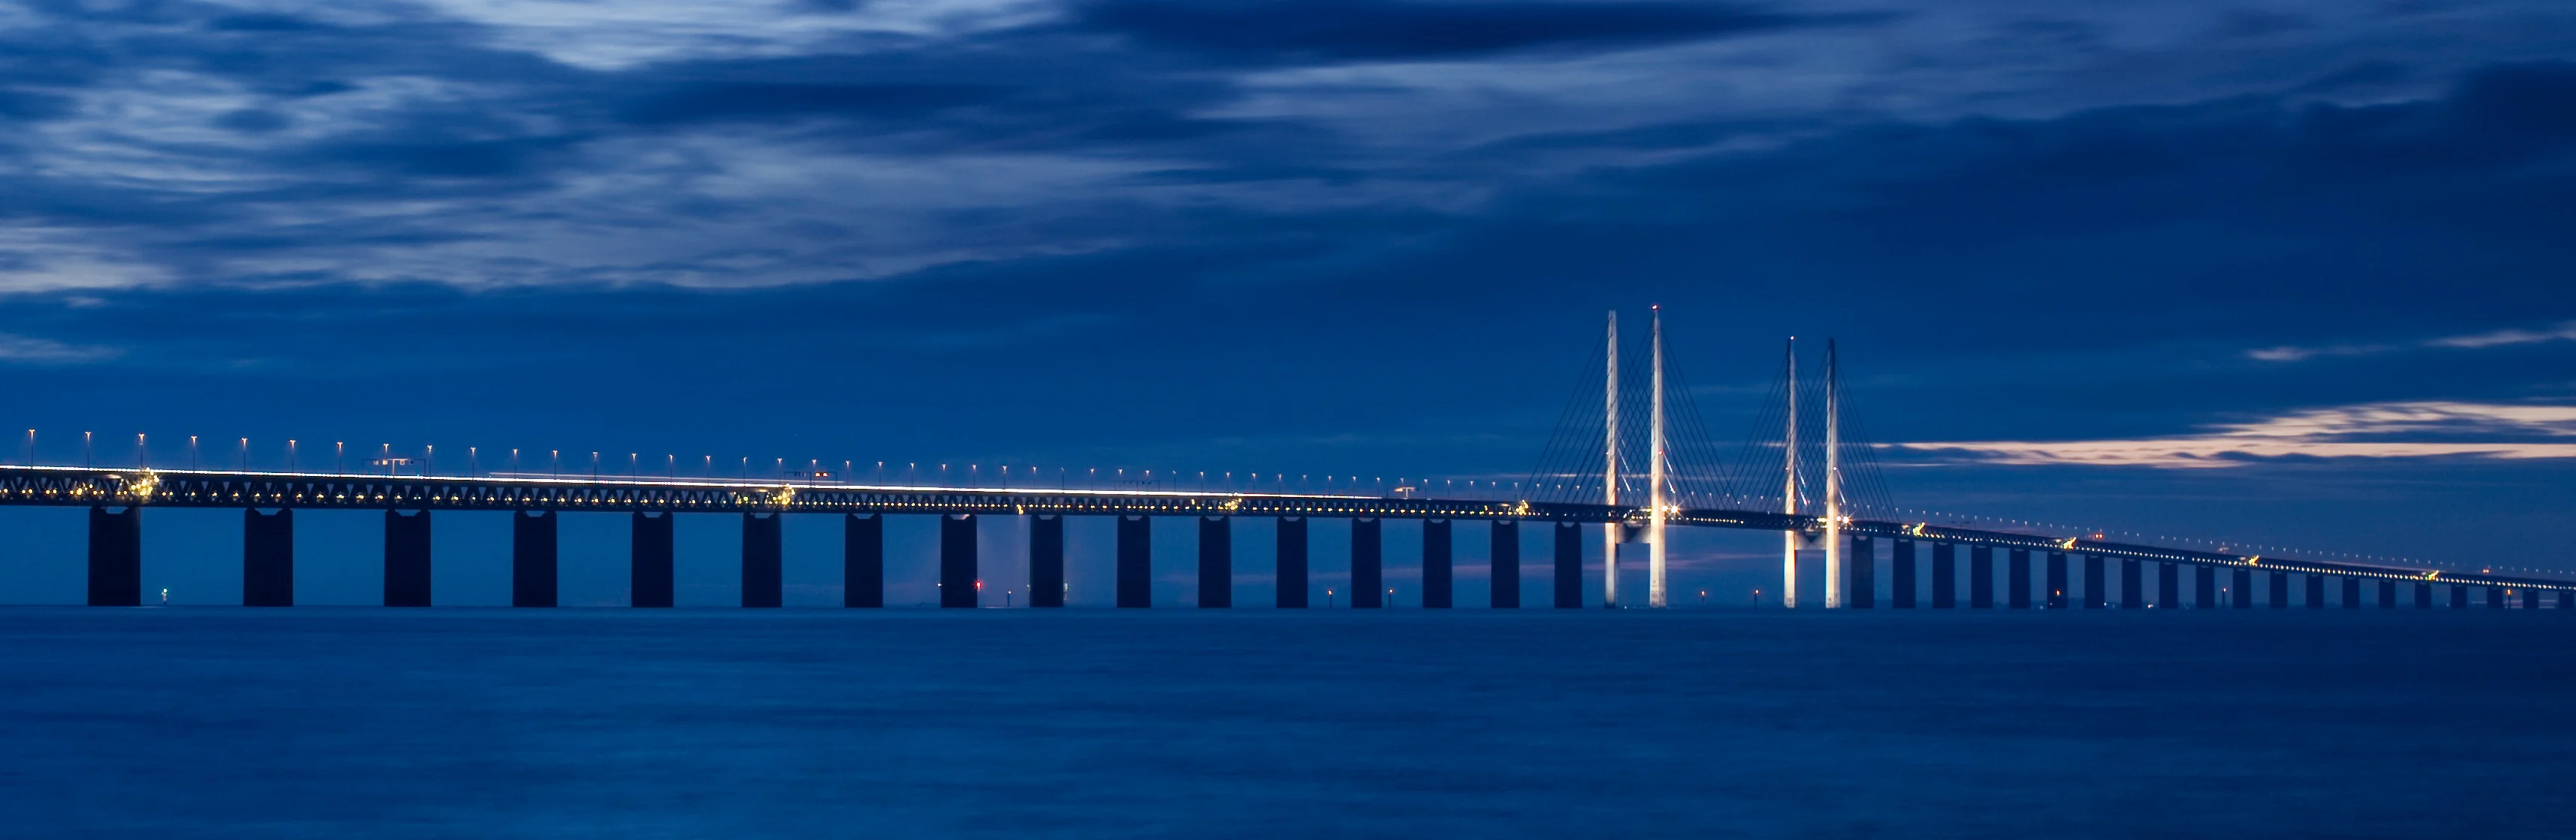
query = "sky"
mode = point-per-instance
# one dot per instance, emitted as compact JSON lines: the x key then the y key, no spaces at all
{"x":2281,"y":274}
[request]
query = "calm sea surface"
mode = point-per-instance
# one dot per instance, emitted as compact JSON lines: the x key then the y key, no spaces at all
{"x":337,"y":722}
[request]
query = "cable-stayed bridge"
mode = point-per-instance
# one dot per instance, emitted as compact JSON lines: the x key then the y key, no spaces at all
{"x":1626,"y":462}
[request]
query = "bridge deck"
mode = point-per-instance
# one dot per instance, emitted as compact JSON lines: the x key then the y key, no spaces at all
{"x":86,"y":486}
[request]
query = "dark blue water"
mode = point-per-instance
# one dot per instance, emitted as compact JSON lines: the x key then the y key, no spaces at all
{"x":492,"y":723}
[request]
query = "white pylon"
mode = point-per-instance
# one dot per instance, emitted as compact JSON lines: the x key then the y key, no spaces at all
{"x":1610,"y":474}
{"x":1833,"y":483}
{"x":1655,"y":474}
{"x":1789,"y":491}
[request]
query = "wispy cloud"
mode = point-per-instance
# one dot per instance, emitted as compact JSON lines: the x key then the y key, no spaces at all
{"x":2563,"y":331}
{"x":20,"y":349}
{"x":2376,"y":430}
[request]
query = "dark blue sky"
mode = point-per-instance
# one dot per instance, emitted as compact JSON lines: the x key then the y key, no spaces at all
{"x":2287,"y":273}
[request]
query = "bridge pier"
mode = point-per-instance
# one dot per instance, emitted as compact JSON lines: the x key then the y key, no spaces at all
{"x":2017,"y":578}
{"x":2096,"y":587}
{"x":1981,"y":577}
{"x":649,"y":575}
{"x":2316,"y":585}
{"x":1861,"y":571}
{"x":1435,"y":564}
{"x":1900,"y":565}
{"x":1945,"y":575}
{"x":956,"y":561}
{"x":532,"y":558}
{"x":407,"y":558}
{"x":1135,"y":562}
{"x":2168,"y":586}
{"x":2423,"y":596}
{"x":1291,"y":568}
{"x":1216,"y":562}
{"x":2459,"y":596}
{"x":2387,"y":594}
{"x":2351,"y":593}
{"x":1504,"y":553}
{"x":2495,"y":597}
{"x":1569,"y":566}
{"x":2133,"y":585}
{"x":863,"y":561}
{"x":764,"y":559}
{"x":268,"y":558}
{"x":2204,"y":583}
{"x":116,"y":557}
{"x":2280,"y":590}
{"x":1368,"y":564}
{"x":2566,"y":600}
{"x":2530,"y":598}
{"x":2057,"y":580}
{"x":2241,"y":581}
{"x":1046,"y":561}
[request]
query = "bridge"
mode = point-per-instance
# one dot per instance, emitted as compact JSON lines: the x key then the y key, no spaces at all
{"x":1848,"y":542}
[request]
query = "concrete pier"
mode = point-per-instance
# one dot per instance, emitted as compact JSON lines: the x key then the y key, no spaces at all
{"x":2057,"y":584}
{"x":2459,"y":596}
{"x":2240,"y":584}
{"x":2204,"y":583}
{"x":764,"y":559}
{"x":2097,"y":593}
{"x":2017,"y":578}
{"x":2387,"y":594}
{"x":2351,"y":593}
{"x":268,"y":558}
{"x":2133,"y":585}
{"x":1368,"y":564}
{"x":116,"y":557}
{"x":2279,"y":586}
{"x":1046,"y":561}
{"x":406,"y":558}
{"x":863,"y":560}
{"x":532,"y":558}
{"x":2316,"y":591}
{"x":2423,"y":596}
{"x":1569,"y":566}
{"x":649,"y":560}
{"x":1216,"y":562}
{"x":1291,"y":568}
{"x":1436,"y":579}
{"x":1945,"y":575}
{"x":2168,"y":586}
{"x":1135,"y":562}
{"x":956,"y":561}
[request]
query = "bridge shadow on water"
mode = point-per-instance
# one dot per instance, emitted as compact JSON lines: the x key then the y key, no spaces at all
{"x":488,"y":722}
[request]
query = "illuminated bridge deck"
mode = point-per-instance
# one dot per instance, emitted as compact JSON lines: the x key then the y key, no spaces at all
{"x":80,"y":486}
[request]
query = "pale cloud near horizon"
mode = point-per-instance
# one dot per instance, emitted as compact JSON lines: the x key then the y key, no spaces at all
{"x":2562,"y":331}
{"x":2516,"y":432}
{"x":23,"y":349}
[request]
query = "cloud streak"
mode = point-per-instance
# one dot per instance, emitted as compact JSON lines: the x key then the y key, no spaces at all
{"x":2419,"y":429}
{"x":2564,"y":331}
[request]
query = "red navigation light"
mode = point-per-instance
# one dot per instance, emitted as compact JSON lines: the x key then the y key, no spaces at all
{"x":979,"y":586}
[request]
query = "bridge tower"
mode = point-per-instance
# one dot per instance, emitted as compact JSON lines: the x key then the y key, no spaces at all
{"x":1833,"y":483}
{"x":1610,"y":474}
{"x":1789,"y":487}
{"x":1655,"y":507}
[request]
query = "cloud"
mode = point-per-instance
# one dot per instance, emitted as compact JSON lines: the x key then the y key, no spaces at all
{"x":2423,"y":429}
{"x":2564,"y":331}
{"x":21,"y":349}
{"x":1377,"y":30}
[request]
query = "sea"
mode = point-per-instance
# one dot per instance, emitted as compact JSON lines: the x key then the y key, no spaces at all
{"x":497,"y":723}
